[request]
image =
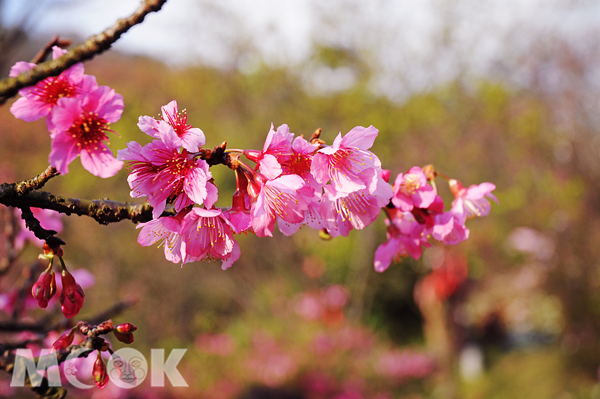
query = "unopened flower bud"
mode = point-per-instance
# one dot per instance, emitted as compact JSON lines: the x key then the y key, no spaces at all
{"x":71,"y":297}
{"x":44,"y":288}
{"x":99,"y":372}
{"x":385,"y":175}
{"x":64,"y":340}
{"x":252,"y":155}
{"x":125,"y":328}
{"x":124,"y":332}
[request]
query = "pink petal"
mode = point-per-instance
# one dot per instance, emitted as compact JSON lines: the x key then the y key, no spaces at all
{"x":193,"y":139}
{"x":20,"y":67}
{"x":360,"y":137}
{"x":149,"y":125}
{"x":30,"y":110}
{"x":233,"y":256}
{"x":385,"y":253}
{"x":64,"y":150}
{"x":269,"y":167}
{"x":100,"y":162}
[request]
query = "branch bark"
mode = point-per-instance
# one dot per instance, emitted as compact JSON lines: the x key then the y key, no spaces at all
{"x":82,"y":52}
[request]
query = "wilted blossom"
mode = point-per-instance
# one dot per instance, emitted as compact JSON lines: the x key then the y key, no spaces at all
{"x":80,"y":128}
{"x":71,"y":297}
{"x":38,"y":101}
{"x":173,"y":130}
{"x":166,"y":174}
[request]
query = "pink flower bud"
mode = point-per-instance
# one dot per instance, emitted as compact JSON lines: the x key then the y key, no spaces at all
{"x":71,"y":297}
{"x":44,"y":288}
{"x":385,"y":175}
{"x":252,"y":155}
{"x":125,"y":328}
{"x":99,"y":372}
{"x":124,"y":332}
{"x":64,"y":340}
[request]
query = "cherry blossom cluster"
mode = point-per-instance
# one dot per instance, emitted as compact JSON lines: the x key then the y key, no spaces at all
{"x":416,"y":215}
{"x":78,"y":115}
{"x":294,"y":182}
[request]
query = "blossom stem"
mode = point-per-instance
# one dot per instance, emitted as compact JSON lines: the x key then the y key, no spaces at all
{"x":62,"y":263}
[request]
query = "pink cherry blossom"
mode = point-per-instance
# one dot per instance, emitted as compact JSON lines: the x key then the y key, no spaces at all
{"x":167,"y":230}
{"x":38,"y":101}
{"x":80,"y":127}
{"x":347,"y":163}
{"x":208,"y":235}
{"x":455,"y":230}
{"x":173,"y":129}
{"x":406,"y":237}
{"x":411,"y":190}
{"x":358,"y":209}
{"x":276,"y":152}
{"x":472,"y":201}
{"x":165,"y":174}
{"x":279,"y":198}
{"x":301,"y":161}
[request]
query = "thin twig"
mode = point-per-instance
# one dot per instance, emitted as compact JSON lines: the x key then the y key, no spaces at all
{"x":47,"y":50}
{"x":82,"y":52}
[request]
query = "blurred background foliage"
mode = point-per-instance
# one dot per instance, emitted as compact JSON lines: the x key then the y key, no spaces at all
{"x":512,"y":312}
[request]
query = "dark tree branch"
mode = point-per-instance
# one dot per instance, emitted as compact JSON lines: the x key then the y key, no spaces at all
{"x":82,"y":52}
{"x":35,"y":183}
{"x":47,"y":235}
{"x":11,"y":254}
{"x":43,"y":326}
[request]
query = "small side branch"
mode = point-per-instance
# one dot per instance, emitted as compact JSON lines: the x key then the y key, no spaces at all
{"x":104,"y":211}
{"x":35,"y":183}
{"x":82,"y":52}
{"x":49,"y":236}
